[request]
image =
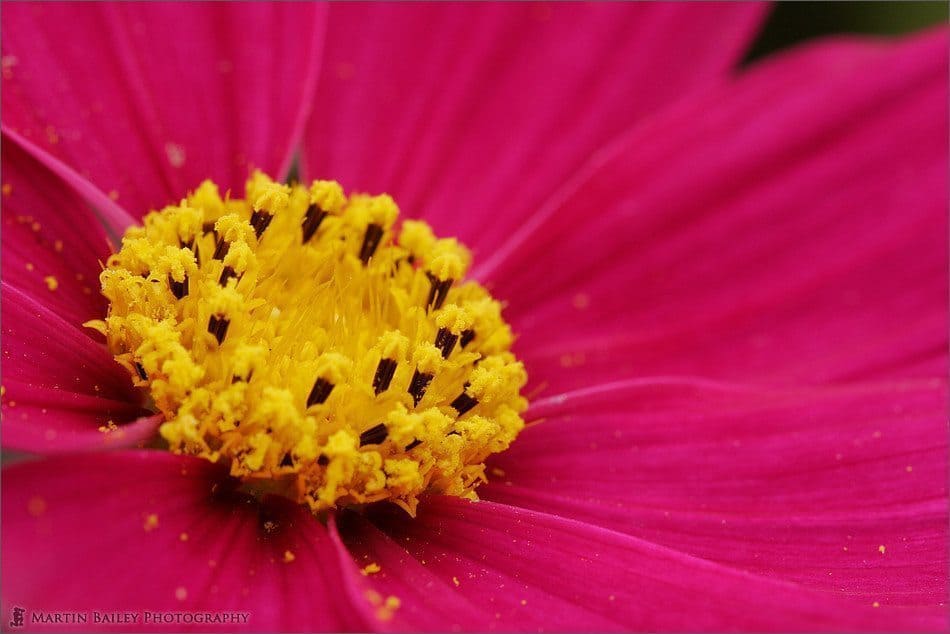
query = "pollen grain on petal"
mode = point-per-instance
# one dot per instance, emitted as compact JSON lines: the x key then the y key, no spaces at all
{"x":150,"y":523}
{"x":370,"y":569}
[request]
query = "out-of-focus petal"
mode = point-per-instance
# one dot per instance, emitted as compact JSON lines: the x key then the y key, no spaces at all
{"x":150,"y":531}
{"x":532,"y":571}
{"x":838,"y":488}
{"x":471,"y":114}
{"x":115,"y":218}
{"x":60,"y":386}
{"x":790,"y":225}
{"x":146,"y":100}
{"x":53,"y":244}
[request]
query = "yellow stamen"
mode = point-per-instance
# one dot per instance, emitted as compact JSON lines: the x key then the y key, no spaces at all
{"x":307,"y":341}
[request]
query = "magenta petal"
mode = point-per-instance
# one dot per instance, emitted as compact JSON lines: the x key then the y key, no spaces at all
{"x":53,"y":245}
{"x":466,"y":112}
{"x":841,"y":489}
{"x":146,"y":100}
{"x":428,"y":601}
{"x":60,"y":386}
{"x":536,"y":571}
{"x":115,"y":218}
{"x":790,"y":225}
{"x":152,"y":531}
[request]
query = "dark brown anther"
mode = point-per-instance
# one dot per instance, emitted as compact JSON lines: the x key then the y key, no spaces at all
{"x":218,"y":326}
{"x":374,"y":233}
{"x":415,"y":443}
{"x":141,"y":371}
{"x":260,"y":220}
{"x":384,"y":375}
{"x":287,"y":461}
{"x":323,"y":460}
{"x":438,"y":291}
{"x":226,"y":273}
{"x":178,"y":289}
{"x":208,"y":227}
{"x":311,"y":221}
{"x":464,"y":403}
{"x":189,"y":244}
{"x":445,"y":341}
{"x":197,"y":254}
{"x":241,"y":379}
{"x":374,"y":435}
{"x":220,"y":249}
{"x":466,"y":338}
{"x":418,"y":385}
{"x":320,"y":392}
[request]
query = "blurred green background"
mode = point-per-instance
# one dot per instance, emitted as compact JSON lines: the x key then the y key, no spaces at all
{"x":792,"y":22}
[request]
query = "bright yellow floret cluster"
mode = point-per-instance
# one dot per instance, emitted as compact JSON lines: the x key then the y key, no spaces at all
{"x":297,"y":336}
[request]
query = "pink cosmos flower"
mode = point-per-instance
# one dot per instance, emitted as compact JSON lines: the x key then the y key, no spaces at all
{"x":729,"y":291}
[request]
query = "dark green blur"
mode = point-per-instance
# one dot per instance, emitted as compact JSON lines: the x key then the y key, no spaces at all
{"x":792,"y":22}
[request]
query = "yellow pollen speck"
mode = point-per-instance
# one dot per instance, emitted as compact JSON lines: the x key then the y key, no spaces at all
{"x":108,"y":428}
{"x":36,"y":227}
{"x":288,"y":557}
{"x":183,"y":537}
{"x":876,"y":604}
{"x":374,"y":597}
{"x":7,"y":189}
{"x":455,"y":580}
{"x":881,"y":549}
{"x":318,"y":348}
{"x":51,"y":282}
{"x":385,"y":611}
{"x":58,"y":246}
{"x":113,"y":194}
{"x":151,"y":522}
{"x":36,"y":506}
{"x":181,"y":593}
{"x":29,"y":266}
{"x":496,"y":471}
{"x":371,"y":569}
{"x":3,"y":390}
{"x":524,"y":602}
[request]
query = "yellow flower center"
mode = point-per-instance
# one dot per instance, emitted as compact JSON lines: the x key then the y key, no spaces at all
{"x":298,"y":337}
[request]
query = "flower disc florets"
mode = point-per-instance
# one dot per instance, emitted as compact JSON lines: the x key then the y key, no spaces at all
{"x":294,"y":335}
